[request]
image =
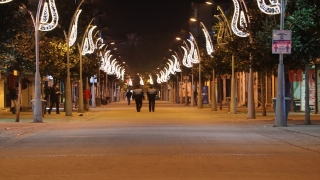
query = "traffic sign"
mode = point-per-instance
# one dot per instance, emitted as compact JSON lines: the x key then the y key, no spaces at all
{"x":281,"y":42}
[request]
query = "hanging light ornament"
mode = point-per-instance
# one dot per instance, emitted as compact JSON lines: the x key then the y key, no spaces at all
{"x":209,"y":45}
{"x":176,"y":64}
{"x":273,"y":8}
{"x":74,"y":31}
{"x":151,"y":80}
{"x":158,"y":79}
{"x":141,"y":81}
{"x":4,"y":1}
{"x":239,"y":18}
{"x":185,"y":60}
{"x":88,"y":47}
{"x":45,"y":16}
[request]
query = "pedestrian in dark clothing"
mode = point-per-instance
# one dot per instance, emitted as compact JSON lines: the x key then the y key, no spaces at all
{"x":195,"y":96}
{"x":138,"y":95}
{"x":129,"y":95}
{"x":55,"y":98}
{"x":152,"y":93}
{"x":14,"y":99}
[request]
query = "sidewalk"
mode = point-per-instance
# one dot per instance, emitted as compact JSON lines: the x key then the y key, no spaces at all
{"x":175,"y":142}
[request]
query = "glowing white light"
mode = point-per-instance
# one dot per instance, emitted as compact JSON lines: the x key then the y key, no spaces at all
{"x":151,"y":80}
{"x":97,"y":42}
{"x":45,"y":13}
{"x":242,"y":20}
{"x":88,"y":47}
{"x":225,"y":29}
{"x":158,"y":79}
{"x":209,"y":45}
{"x":185,"y":61}
{"x":193,"y":55}
{"x":130,"y":82}
{"x":122,"y":74}
{"x":4,"y":1}
{"x":74,"y":30}
{"x":141,"y":81}
{"x":44,"y":26}
{"x":273,"y":8}
{"x":176,"y":64}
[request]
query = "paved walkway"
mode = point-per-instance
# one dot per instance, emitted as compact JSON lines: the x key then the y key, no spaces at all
{"x":174,"y":142}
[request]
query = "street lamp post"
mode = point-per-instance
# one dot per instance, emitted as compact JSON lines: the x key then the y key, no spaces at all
{"x":68,"y":105}
{"x":43,"y":26}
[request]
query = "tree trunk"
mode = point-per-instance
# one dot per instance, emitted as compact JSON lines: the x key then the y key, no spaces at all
{"x":263,"y":98}
{"x":251,"y":108}
{"x":18,"y":105}
{"x":220,"y":92}
{"x":307,"y":95}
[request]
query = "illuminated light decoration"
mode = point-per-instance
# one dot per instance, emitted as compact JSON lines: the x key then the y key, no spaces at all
{"x":74,"y":30}
{"x":97,"y":42}
{"x":225,"y":31}
{"x":45,"y":13}
{"x":111,"y":68}
{"x":166,"y":76}
{"x":170,"y":68}
{"x":158,"y":79}
{"x":105,"y":61}
{"x":151,"y":80}
{"x":101,"y":46}
{"x":141,"y":81}
{"x":163,"y":76}
{"x":44,"y":25}
{"x":192,"y":56}
{"x":176,"y":64}
{"x":122,"y":74}
{"x":85,"y":46}
{"x":4,"y":1}
{"x":130,"y":82}
{"x":185,"y":58}
{"x":209,"y":45}
{"x":273,"y":8}
{"x":88,"y":47}
{"x":239,"y":19}
{"x":117,"y":71}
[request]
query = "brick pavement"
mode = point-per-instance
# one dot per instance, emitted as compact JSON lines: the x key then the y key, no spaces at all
{"x":175,"y":142}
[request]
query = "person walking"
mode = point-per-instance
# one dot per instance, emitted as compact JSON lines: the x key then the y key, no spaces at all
{"x":138,"y":96}
{"x":129,"y":95}
{"x":55,"y":98}
{"x":152,"y":93}
{"x":14,"y":99}
{"x":86,"y":97}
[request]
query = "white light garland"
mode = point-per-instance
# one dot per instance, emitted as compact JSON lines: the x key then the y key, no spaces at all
{"x":141,"y":81}
{"x":193,"y":55}
{"x":176,"y":64}
{"x":74,"y":30}
{"x":273,"y":8}
{"x":44,"y":26}
{"x":122,"y":74}
{"x":151,"y":80}
{"x":185,"y":61}
{"x":88,"y":47}
{"x":4,"y":1}
{"x":242,"y":20}
{"x":209,"y":45}
{"x":158,"y":79}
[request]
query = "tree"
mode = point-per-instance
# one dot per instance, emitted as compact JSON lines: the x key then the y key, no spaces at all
{"x":303,"y":20}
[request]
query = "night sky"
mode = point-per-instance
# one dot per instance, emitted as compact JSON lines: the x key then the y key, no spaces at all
{"x":144,"y":16}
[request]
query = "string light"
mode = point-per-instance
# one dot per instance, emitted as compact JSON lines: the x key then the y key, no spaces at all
{"x":44,"y":25}
{"x":235,"y":19}
{"x":74,"y":31}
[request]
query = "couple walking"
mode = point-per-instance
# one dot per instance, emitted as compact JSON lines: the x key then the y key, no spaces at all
{"x":138,"y":96}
